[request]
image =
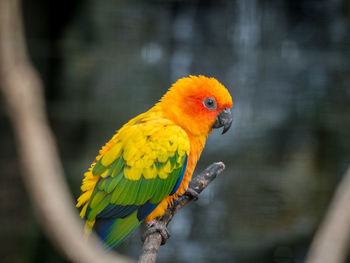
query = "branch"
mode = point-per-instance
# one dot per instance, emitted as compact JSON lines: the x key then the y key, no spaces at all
{"x":331,"y":242}
{"x":41,"y":168}
{"x":199,"y":183}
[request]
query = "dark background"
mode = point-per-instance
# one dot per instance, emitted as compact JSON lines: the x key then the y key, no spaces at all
{"x":287,"y":66}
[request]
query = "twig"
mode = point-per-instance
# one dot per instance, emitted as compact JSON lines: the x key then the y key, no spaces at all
{"x":199,"y":183}
{"x":41,"y":168}
{"x":331,"y":242}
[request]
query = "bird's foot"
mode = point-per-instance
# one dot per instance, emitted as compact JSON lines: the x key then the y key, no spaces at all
{"x":192,"y":193}
{"x":153,"y":227}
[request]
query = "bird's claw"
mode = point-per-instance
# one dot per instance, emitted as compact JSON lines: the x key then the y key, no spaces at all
{"x":154,"y":227}
{"x":192,"y":193}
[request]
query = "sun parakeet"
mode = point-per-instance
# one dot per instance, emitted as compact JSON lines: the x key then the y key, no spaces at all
{"x":149,"y":162}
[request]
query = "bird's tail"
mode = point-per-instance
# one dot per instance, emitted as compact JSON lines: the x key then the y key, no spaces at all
{"x":114,"y":231}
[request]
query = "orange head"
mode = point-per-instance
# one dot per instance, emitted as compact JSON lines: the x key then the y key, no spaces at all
{"x":198,"y":104}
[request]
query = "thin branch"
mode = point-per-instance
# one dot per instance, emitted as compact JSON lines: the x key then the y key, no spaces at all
{"x":41,"y":168}
{"x":199,"y":183}
{"x":331,"y":242}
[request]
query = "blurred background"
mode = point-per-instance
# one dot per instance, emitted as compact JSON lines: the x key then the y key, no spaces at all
{"x":287,"y":66}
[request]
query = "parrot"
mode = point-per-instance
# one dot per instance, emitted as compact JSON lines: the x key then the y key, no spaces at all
{"x":150,"y":160}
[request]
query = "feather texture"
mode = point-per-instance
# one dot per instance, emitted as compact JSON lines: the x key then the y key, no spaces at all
{"x":150,"y":160}
{"x":130,"y":180}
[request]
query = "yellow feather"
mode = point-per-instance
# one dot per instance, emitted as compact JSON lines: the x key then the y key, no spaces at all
{"x":87,"y":185}
{"x":84,"y":198}
{"x":162,"y":173}
{"x":147,"y":162}
{"x":167,"y":168}
{"x":150,"y":172}
{"x":104,"y":174}
{"x":139,"y":163}
{"x":129,"y":152}
{"x":112,"y":154}
{"x":153,"y":155}
{"x":132,"y":173}
{"x":162,"y":158}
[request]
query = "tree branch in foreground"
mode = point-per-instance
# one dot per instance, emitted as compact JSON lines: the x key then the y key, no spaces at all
{"x":331,"y":242}
{"x":42,"y":172}
{"x":199,"y":183}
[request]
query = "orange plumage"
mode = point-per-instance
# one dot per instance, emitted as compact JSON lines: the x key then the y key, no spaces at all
{"x":183,"y":104}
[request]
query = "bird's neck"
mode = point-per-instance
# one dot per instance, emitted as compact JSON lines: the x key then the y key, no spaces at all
{"x":196,"y":129}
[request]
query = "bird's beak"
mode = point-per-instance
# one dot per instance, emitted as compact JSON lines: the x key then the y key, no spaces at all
{"x":224,"y":119}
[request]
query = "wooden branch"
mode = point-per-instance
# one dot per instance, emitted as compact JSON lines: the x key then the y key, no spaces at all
{"x":199,"y":183}
{"x":331,"y":242}
{"x":41,"y":168}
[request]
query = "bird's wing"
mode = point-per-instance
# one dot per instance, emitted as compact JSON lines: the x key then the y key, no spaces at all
{"x":144,"y":165}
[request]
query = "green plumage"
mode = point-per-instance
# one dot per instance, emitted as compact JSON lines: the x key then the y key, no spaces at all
{"x":131,"y":186}
{"x":120,"y":229}
{"x":98,"y":208}
{"x":122,"y":191}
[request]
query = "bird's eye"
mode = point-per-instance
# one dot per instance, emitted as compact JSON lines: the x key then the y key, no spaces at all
{"x":210,"y":103}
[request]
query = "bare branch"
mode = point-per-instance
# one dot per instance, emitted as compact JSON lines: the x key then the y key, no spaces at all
{"x":199,"y":183}
{"x":41,"y":169}
{"x":331,"y":242}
